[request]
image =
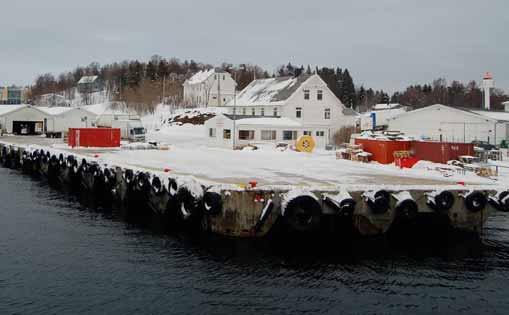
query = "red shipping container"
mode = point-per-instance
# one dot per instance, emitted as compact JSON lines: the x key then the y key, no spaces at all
{"x":440,"y":152}
{"x":94,"y":137}
{"x":383,"y":150}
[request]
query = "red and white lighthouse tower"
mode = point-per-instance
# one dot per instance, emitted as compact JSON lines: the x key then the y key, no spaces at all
{"x":486,"y":85}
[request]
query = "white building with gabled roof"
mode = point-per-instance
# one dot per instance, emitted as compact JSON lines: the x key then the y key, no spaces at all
{"x":452,"y":124}
{"x":211,"y":87}
{"x":281,"y":110}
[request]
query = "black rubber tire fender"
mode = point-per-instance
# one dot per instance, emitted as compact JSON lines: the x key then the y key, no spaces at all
{"x":303,"y":214}
{"x":475,"y":201}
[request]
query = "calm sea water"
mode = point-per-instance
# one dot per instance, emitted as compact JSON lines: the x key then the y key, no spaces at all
{"x":58,"y":258}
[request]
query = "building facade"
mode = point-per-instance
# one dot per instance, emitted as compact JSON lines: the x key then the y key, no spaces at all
{"x":444,"y":123}
{"x":12,"y":95}
{"x":90,"y":84}
{"x":281,"y":110}
{"x":209,"y":88}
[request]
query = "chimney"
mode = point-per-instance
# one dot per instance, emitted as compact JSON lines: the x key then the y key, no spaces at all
{"x":487,"y":84}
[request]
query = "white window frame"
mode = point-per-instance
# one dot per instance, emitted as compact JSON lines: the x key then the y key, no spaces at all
{"x":327,"y":113}
{"x":293,"y":133}
{"x":307,"y":94}
{"x":253,"y":111}
{"x":227,"y":134}
{"x":244,"y":111}
{"x":275,"y":112}
{"x":319,"y":95}
{"x":307,"y":133}
{"x":320,"y":133}
{"x":251,"y":135}
{"x":212,"y":132}
{"x":262,"y":111}
{"x":298,"y":112}
{"x":268,"y":135}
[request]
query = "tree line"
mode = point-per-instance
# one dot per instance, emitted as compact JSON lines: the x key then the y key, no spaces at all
{"x":143,"y":84}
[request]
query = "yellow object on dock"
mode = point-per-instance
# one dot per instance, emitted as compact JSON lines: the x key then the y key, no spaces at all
{"x":306,"y":144}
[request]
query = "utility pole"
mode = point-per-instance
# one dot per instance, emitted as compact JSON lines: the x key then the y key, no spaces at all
{"x":164,"y":87}
{"x":234,"y":133}
{"x":219,"y":89}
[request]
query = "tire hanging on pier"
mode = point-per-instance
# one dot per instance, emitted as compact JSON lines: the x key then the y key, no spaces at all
{"x":475,"y":201}
{"x":188,"y":199}
{"x":212,"y":203}
{"x":441,"y":201}
{"x":378,"y":202}
{"x":302,"y":213}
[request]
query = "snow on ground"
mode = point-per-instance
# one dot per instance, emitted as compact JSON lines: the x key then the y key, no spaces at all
{"x":189,"y":154}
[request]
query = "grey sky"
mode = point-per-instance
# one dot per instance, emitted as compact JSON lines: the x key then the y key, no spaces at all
{"x":385,"y":44}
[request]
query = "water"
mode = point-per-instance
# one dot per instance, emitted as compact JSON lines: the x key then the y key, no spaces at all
{"x":58,"y":258}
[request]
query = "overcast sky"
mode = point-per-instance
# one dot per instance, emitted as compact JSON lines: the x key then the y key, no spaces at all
{"x":385,"y":44}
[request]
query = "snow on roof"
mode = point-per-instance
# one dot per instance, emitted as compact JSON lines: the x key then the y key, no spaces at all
{"x":273,"y":91}
{"x":88,"y":79}
{"x":500,"y":116}
{"x":200,"y":76}
{"x":57,"y":110}
{"x":5,"y":109}
{"x":386,"y":106}
{"x":267,"y":121}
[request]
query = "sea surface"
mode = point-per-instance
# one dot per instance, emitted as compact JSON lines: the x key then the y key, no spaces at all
{"x":57,"y":257}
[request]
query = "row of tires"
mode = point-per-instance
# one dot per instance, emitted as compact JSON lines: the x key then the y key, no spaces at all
{"x":138,"y":193}
{"x":304,"y":212}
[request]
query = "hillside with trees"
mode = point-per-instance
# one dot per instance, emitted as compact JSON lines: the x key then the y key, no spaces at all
{"x":144,"y":84}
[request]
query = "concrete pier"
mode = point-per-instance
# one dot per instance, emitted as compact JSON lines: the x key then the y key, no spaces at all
{"x":230,"y":210}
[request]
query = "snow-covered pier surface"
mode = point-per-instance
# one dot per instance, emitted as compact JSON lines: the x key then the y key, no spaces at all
{"x":187,"y":155}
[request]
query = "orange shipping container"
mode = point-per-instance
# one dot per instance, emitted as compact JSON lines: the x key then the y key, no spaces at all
{"x":383,"y":150}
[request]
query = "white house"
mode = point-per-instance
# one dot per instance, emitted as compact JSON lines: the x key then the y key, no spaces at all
{"x":281,"y":110}
{"x":22,"y":119}
{"x":209,"y":88}
{"x":440,"y":122}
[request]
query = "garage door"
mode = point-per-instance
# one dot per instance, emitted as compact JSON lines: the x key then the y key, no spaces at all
{"x":27,"y":127}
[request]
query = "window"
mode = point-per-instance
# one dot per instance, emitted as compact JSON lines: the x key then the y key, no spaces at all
{"x":212,"y":132}
{"x":320,"y":133}
{"x":223,"y":77}
{"x":262,"y":111}
{"x":319,"y":95}
{"x":326,"y":113}
{"x":306,"y":94}
{"x":244,"y":111}
{"x":253,"y":112}
{"x":289,"y":135}
{"x":308,"y":133}
{"x":298,"y":112}
{"x":275,"y":111}
{"x":215,"y":76}
{"x":268,"y":134}
{"x":227,"y":134}
{"x":246,"y":134}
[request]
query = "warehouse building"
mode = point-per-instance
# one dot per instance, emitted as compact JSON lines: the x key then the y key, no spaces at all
{"x":451,"y":124}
